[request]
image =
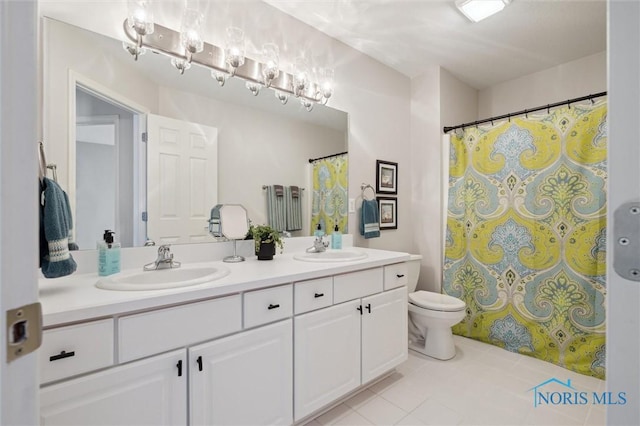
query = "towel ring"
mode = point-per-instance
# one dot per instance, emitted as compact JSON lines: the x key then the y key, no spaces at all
{"x":364,"y":187}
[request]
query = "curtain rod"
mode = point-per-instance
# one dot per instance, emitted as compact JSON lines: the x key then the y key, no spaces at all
{"x":311,"y":160}
{"x":526,"y":111}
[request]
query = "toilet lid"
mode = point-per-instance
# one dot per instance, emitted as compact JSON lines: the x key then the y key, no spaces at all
{"x":436,"y":301}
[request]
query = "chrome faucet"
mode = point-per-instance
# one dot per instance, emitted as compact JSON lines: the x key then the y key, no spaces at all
{"x":319,"y":245}
{"x":164,"y":260}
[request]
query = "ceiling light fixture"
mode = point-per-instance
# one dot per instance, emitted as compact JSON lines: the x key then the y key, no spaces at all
{"x":477,"y":10}
{"x":186,"y":48}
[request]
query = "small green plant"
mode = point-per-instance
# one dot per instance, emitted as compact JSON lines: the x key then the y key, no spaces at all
{"x":265,"y":233}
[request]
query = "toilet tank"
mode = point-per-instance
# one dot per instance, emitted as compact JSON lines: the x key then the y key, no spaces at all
{"x":413,"y":272}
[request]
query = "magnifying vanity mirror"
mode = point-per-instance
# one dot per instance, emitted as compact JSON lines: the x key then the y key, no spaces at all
{"x":146,"y":151}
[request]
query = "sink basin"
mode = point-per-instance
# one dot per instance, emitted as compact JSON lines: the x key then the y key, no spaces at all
{"x":331,"y":256}
{"x":184,"y":276}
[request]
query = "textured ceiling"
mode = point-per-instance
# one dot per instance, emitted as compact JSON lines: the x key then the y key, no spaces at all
{"x":411,"y":35}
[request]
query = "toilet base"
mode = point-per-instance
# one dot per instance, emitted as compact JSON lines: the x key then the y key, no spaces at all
{"x":438,"y":344}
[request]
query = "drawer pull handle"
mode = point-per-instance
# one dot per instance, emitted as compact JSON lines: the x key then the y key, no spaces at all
{"x":318,"y":295}
{"x":199,"y":361}
{"x":62,"y":355}
{"x":272,"y":306}
{"x":179,"y":365}
{"x":359,"y":308}
{"x":399,"y":275}
{"x":368,"y":307}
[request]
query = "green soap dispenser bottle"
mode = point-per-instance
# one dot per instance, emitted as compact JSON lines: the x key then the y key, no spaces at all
{"x":108,"y":254}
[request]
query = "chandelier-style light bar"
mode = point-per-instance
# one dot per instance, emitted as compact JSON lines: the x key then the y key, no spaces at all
{"x":187,"y":47}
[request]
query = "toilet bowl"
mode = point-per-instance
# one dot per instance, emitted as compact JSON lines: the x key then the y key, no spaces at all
{"x":431,"y":316}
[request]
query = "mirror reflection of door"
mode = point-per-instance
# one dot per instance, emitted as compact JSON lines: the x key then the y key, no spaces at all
{"x":107,"y":177}
{"x":183,"y":167}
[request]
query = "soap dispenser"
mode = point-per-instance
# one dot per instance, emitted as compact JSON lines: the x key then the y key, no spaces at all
{"x":319,"y":232}
{"x":108,"y":254}
{"x":336,"y":238}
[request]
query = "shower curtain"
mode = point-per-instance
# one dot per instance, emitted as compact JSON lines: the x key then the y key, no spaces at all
{"x":329,"y":200}
{"x":525,"y":237}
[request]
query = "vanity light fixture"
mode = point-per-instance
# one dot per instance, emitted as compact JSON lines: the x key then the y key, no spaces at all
{"x":187,"y":48}
{"x":477,"y":10}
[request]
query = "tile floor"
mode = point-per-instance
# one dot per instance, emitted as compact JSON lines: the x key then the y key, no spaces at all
{"x":482,"y":385}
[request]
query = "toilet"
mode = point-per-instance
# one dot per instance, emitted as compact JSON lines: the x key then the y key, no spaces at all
{"x":431,"y":316}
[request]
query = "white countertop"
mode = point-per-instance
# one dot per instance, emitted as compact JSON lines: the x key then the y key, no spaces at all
{"x":76,"y":298}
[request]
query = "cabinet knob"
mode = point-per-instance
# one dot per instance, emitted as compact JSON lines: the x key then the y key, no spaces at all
{"x":272,"y":306}
{"x":368,"y":307}
{"x":62,"y":355}
{"x":399,"y":275}
{"x":318,"y":295}
{"x":359,"y":308}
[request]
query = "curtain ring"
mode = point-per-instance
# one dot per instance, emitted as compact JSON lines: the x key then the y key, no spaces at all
{"x":509,"y":117}
{"x":526,"y":114}
{"x":548,"y":109}
{"x":569,"y":103}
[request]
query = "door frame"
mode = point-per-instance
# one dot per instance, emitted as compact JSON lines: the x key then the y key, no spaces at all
{"x":139,"y":111}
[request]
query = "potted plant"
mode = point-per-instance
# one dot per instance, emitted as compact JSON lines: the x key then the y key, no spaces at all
{"x":266,"y":239}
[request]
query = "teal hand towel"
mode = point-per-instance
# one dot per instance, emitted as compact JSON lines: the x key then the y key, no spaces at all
{"x":369,"y":221}
{"x":55,"y":226}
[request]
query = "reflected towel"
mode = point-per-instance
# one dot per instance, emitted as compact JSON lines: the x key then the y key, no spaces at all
{"x":55,"y":228}
{"x":369,"y":222}
{"x":294,"y":208}
{"x":276,"y":213}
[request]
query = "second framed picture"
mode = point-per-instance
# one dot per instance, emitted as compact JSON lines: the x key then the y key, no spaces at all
{"x":386,"y":177}
{"x":388,"y":212}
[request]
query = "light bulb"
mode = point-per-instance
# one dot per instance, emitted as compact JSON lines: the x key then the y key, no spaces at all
{"x":300,"y":76}
{"x":234,"y":49}
{"x":270,"y":62}
{"x":190,"y":37}
{"x":140,"y":17}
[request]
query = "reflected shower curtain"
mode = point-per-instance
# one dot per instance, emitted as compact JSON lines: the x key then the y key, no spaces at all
{"x":329,"y":202}
{"x":525,"y":238}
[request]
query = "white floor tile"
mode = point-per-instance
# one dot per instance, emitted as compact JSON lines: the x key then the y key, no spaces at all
{"x":379,"y":411}
{"x":359,"y":399}
{"x":410,"y":420}
{"x":406,"y":395}
{"x":335,"y":414}
{"x":353,"y":419}
{"x":432,"y":412}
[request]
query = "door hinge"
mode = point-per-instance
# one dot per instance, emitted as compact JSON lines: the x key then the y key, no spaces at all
{"x":144,"y":137}
{"x":24,"y":330}
{"x":626,"y":241}
{"x":144,"y":216}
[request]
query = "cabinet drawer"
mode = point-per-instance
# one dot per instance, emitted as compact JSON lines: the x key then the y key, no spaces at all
{"x":271,"y":304}
{"x":76,"y":349}
{"x":153,"y":332}
{"x":357,"y":284}
{"x":395,"y":275}
{"x":313,"y":294}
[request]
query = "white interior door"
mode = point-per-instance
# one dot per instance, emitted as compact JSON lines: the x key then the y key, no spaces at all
{"x":19,"y":132}
{"x":182,"y":164}
{"x":623,"y":309}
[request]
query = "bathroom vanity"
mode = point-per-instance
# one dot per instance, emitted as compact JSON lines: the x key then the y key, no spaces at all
{"x":268,"y":343}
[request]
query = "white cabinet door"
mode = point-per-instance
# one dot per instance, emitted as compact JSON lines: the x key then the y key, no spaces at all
{"x":384,"y":332}
{"x":148,"y":392}
{"x":327,"y":356}
{"x":243,"y":379}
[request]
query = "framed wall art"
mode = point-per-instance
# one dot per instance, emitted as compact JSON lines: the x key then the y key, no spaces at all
{"x":388,"y":212}
{"x":386,"y":177}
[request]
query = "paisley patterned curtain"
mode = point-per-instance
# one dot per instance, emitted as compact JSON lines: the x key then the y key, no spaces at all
{"x":526,"y":229}
{"x":329,"y":203}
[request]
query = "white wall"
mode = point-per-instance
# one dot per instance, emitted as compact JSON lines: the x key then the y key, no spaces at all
{"x":570,"y":80}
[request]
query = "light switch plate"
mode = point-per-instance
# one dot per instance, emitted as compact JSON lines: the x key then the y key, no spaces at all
{"x":352,"y":205}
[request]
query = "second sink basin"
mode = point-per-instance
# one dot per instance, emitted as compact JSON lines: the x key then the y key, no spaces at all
{"x":184,"y":276}
{"x":331,"y":256}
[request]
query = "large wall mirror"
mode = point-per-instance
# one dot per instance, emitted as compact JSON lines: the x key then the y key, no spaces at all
{"x":98,"y":102}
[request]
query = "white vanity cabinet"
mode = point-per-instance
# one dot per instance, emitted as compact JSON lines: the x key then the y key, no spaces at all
{"x":244,"y":379}
{"x":339,"y":348}
{"x":152,"y":391}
